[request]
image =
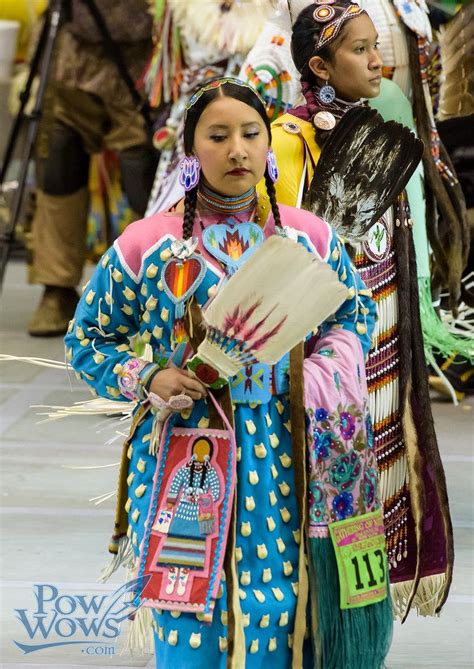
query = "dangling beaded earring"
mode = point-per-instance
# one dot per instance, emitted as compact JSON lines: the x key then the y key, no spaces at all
{"x":189,"y":171}
{"x":272,"y":166}
{"x":327,"y":94}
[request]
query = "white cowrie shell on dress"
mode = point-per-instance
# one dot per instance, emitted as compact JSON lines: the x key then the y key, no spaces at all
{"x":264,"y":620}
{"x":245,"y":578}
{"x":259,"y":596}
{"x":260,"y":450}
{"x":253,"y":477}
{"x":249,"y":503}
{"x":254,"y":646}
{"x":245,"y":529}
{"x":173,"y":637}
{"x":287,"y":568}
{"x":195,"y":640}
{"x":283,"y":619}
{"x":274,"y":441}
{"x":262,"y":551}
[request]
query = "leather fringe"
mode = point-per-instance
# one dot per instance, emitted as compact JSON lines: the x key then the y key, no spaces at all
{"x":430,"y":442}
{"x":124,"y":557}
{"x":428,"y":598}
{"x":236,"y":649}
{"x":140,"y":632}
{"x":414,"y":457}
{"x":420,"y":437}
{"x":298,"y":441}
{"x":121,"y":516}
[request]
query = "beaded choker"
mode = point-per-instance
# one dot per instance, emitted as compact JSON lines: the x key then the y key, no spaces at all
{"x":222,"y":204}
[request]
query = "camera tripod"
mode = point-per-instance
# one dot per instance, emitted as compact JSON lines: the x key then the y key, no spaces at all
{"x":58,"y":13}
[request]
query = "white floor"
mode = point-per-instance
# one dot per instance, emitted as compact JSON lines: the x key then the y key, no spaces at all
{"x":51,"y":533}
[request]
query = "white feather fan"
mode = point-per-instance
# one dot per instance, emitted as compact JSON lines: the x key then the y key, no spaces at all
{"x":280,"y":295}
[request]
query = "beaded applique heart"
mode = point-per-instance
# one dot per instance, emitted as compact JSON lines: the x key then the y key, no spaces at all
{"x":181,"y":278}
{"x":232,"y":243}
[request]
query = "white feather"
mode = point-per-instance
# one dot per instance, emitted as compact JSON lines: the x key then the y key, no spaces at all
{"x":292,"y":288}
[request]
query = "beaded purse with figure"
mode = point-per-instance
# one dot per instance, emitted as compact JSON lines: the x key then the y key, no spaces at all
{"x":182,"y":553}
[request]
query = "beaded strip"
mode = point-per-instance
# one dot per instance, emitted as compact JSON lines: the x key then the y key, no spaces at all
{"x":217,"y":83}
{"x":379,"y":277}
{"x":227,"y":205}
{"x":383,"y":371}
{"x":396,"y":528}
{"x":332,"y":30}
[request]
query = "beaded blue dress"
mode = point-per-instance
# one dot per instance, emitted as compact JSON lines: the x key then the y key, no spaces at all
{"x":125,"y":297}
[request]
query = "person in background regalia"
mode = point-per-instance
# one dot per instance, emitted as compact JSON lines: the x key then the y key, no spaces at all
{"x":335,"y":48}
{"x":89,"y":108}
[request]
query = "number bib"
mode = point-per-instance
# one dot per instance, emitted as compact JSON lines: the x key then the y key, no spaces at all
{"x":359,"y":544}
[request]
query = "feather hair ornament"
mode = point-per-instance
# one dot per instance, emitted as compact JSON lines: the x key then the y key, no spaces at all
{"x":364,"y":165}
{"x":282,"y":293}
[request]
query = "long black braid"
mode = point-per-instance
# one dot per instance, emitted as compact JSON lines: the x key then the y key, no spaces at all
{"x":204,"y":471}
{"x":190,"y":202}
{"x":205,"y":467}
{"x":272,"y":197}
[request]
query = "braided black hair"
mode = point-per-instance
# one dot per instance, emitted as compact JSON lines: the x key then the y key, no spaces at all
{"x":305,"y":34}
{"x":190,"y":201}
{"x":205,"y":467}
{"x":271,"y":192}
{"x":249,"y":97}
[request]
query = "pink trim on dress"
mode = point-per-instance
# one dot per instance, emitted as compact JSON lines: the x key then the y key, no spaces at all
{"x":317,"y":232}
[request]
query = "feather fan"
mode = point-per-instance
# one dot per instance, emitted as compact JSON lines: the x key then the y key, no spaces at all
{"x":282,"y":293}
{"x":364,"y":165}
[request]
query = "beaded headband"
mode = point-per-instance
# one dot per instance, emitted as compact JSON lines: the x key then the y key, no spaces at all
{"x":325,"y":13}
{"x":217,"y":83}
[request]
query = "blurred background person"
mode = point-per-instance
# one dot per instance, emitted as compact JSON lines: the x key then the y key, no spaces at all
{"x":88,"y":108}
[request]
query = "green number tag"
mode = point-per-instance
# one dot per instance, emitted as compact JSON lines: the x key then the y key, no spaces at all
{"x":361,"y":561}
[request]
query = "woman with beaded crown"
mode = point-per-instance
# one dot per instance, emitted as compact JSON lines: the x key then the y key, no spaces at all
{"x":259,"y":600}
{"x":334,"y":47}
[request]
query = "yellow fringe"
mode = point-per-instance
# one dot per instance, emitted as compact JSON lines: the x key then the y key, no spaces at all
{"x":124,"y":557}
{"x":140,"y":633}
{"x":428,"y":596}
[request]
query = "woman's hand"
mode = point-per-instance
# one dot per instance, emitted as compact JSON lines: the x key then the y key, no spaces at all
{"x":174,"y":381}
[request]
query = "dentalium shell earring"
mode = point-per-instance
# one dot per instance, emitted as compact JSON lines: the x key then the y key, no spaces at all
{"x":327,"y":94}
{"x":272,"y":166}
{"x":189,"y":172}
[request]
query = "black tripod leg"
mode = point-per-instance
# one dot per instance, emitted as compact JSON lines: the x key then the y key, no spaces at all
{"x":24,"y":97}
{"x":9,"y":233}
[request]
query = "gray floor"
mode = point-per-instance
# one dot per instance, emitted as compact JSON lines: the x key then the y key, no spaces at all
{"x":51,"y":533}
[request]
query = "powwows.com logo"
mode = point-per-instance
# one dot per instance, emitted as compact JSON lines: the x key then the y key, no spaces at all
{"x":92,"y":621}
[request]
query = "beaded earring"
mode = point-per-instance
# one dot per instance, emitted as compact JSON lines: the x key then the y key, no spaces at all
{"x":327,"y":94}
{"x":189,"y":171}
{"x":272,"y":166}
